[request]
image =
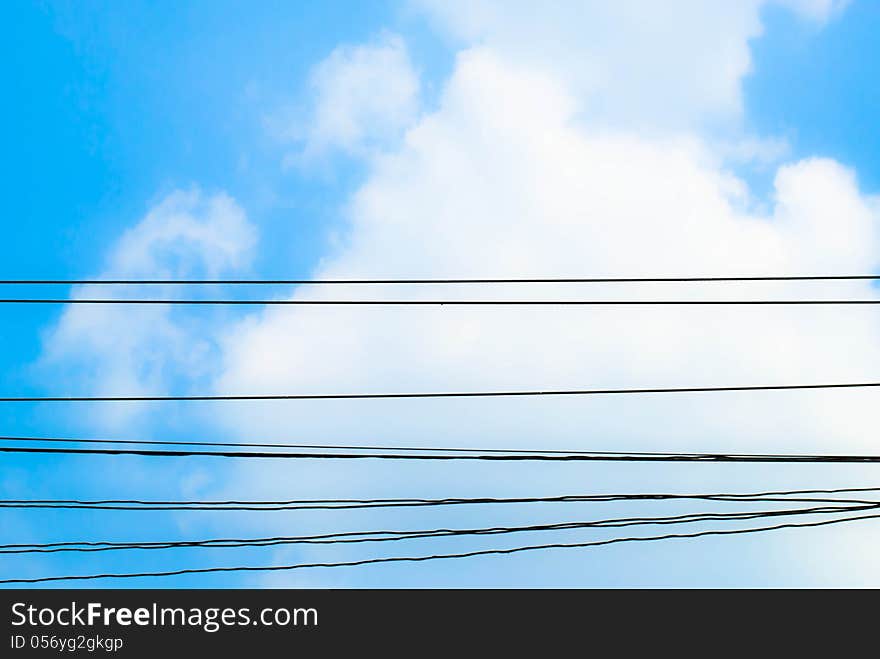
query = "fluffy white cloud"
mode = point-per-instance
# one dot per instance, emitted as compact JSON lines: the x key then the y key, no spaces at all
{"x":139,"y":349}
{"x":506,"y":179}
{"x":519,"y":188}
{"x":537,"y":162}
{"x":675,"y":64}
{"x":186,"y":232}
{"x":362,"y":96}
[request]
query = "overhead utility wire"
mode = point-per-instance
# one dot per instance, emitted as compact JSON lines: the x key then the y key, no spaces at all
{"x":432,"y":557}
{"x":438,"y":449}
{"x":416,"y":449}
{"x":397,"y":535}
{"x":354,"y":447}
{"x":515,"y":280}
{"x":445,"y":302}
{"x":605,"y":457}
{"x":444,"y":394}
{"x":346,"y":504}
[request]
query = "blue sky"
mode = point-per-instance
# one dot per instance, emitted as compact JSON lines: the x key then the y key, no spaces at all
{"x":113,"y":108}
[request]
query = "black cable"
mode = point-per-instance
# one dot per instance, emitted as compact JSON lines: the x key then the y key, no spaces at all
{"x":75,"y":440}
{"x":324,"y":504}
{"x":539,"y":280}
{"x":148,"y":507}
{"x":348,"y":537}
{"x":445,"y":394}
{"x":606,"y":457}
{"x":438,"y":302}
{"x":431,"y":557}
{"x":355,"y":447}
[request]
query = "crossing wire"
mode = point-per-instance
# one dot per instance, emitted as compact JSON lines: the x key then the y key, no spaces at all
{"x":325,"y":504}
{"x":396,"y":535}
{"x":433,"y":557}
{"x":604,"y":457}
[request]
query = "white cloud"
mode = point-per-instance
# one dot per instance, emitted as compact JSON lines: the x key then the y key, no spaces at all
{"x":505,"y":179}
{"x":761,"y":152}
{"x":363,"y":96}
{"x":538,"y":162}
{"x":139,"y":349}
{"x":186,"y":232}
{"x":818,"y":11}
{"x":519,"y":189}
{"x":659,"y":65}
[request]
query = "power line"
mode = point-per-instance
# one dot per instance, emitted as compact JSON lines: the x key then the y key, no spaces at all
{"x":344,"y":447}
{"x":443,"y":394}
{"x":330,"y":504}
{"x":446,"y":302}
{"x":415,"y":449}
{"x":431,"y":557}
{"x":348,"y":537}
{"x":570,"y":457}
{"x":355,"y":447}
{"x":517,"y":280}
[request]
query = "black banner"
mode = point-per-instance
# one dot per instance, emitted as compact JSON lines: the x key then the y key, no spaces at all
{"x":151,"y":623}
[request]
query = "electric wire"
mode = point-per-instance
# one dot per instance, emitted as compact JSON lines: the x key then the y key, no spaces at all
{"x":605,"y":457}
{"x":444,"y":394}
{"x":432,"y":557}
{"x":515,"y":280}
{"x":347,"y":504}
{"x":396,"y":535}
{"x":355,"y":447}
{"x":438,"y":302}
